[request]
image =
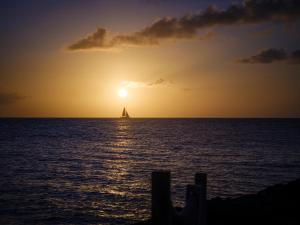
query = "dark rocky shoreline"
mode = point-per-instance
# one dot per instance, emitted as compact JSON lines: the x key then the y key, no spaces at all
{"x":275,"y":205}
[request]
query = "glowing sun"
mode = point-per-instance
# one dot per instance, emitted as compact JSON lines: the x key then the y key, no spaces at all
{"x":123,"y":93}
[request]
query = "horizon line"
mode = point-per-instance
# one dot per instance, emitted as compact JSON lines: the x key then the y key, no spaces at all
{"x":213,"y":117}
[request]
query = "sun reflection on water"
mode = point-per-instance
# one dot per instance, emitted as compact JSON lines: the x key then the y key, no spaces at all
{"x":118,"y":173}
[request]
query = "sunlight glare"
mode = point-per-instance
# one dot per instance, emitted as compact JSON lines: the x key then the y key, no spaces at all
{"x":123,"y":93}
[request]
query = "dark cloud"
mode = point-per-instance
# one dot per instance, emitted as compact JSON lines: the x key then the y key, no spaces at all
{"x":266,"y":56}
{"x":186,"y":27}
{"x":94,"y":40}
{"x":9,"y":98}
{"x":273,"y":55}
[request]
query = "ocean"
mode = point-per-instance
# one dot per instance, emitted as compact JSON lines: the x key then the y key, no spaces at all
{"x":97,"y":171}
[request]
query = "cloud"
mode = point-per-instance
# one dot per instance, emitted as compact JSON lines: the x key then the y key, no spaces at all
{"x":138,"y":84}
{"x":187,"y":89}
{"x":91,"y":41}
{"x":186,"y":27}
{"x":266,"y":56}
{"x":133,"y":84}
{"x":9,"y":98}
{"x":158,"y":82}
{"x":273,"y":55}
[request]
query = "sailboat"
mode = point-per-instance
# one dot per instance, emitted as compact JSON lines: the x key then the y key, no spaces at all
{"x":125,"y":114}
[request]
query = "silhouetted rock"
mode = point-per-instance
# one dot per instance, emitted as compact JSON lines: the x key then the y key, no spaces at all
{"x":276,"y":205}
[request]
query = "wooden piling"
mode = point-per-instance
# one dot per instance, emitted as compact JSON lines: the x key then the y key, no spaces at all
{"x":190,"y":211}
{"x":161,"y":198}
{"x":201,"y":183}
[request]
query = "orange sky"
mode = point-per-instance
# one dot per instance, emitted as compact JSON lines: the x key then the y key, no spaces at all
{"x":199,"y":76}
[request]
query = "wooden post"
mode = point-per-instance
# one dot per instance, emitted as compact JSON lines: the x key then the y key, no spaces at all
{"x":161,"y":198}
{"x":190,"y":212}
{"x":201,"y":182}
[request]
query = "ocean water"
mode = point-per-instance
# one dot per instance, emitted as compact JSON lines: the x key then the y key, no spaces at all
{"x":97,"y":171}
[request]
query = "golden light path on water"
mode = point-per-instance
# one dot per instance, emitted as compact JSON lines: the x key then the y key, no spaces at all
{"x":119,"y":170}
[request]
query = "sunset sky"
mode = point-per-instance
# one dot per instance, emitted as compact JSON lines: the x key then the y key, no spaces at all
{"x":174,"y":58}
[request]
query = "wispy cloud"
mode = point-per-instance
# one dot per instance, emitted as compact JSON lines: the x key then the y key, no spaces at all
{"x":9,"y":98}
{"x":186,"y":27}
{"x":160,"y":81}
{"x":273,"y":55}
{"x":133,"y":84}
{"x":139,"y":84}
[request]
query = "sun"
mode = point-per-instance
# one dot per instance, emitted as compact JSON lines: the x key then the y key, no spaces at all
{"x":123,"y":93}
